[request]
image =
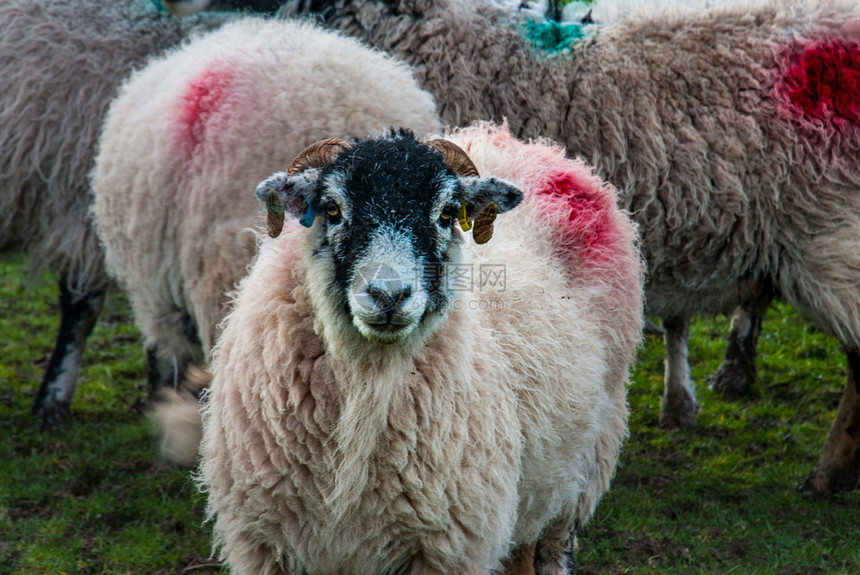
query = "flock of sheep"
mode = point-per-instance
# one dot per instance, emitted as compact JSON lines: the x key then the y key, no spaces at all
{"x":355,"y":380}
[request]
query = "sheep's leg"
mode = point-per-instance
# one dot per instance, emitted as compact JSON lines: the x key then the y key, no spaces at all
{"x":78,"y":315}
{"x":554,"y":550}
{"x":679,"y":400}
{"x":737,"y":372}
{"x":167,"y":368}
{"x":163,"y":372}
{"x":838,"y":467}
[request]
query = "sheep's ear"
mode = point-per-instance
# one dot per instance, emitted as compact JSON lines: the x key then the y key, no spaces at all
{"x":484,"y":199}
{"x":294,"y":190}
{"x":289,"y":194}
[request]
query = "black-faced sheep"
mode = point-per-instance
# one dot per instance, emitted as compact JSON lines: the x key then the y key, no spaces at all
{"x":198,"y":126}
{"x":731,"y":134}
{"x":391,"y":397}
{"x":61,"y":63}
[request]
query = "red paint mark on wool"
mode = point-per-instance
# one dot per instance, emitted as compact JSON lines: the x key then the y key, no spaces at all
{"x":823,"y":80}
{"x":202,"y":101}
{"x":585,"y":211}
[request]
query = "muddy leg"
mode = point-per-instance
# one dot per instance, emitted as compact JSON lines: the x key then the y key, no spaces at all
{"x":737,"y":373}
{"x":165,"y":368}
{"x":78,"y":315}
{"x":838,"y":467}
{"x":161,"y":372}
{"x":679,"y":400}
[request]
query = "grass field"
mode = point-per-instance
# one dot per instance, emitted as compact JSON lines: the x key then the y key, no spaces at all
{"x":93,"y":499}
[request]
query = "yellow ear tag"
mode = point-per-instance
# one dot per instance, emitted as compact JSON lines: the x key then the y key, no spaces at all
{"x":465,"y":222}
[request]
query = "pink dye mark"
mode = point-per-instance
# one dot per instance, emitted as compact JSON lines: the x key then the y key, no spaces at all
{"x":586,"y":212}
{"x":201,"y":102}
{"x":823,"y":80}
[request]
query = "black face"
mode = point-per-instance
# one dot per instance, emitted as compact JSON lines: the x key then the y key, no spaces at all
{"x":383,"y":212}
{"x":395,"y":185}
{"x":389,"y":207}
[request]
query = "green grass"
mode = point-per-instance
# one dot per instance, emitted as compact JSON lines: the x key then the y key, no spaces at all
{"x":722,"y":498}
{"x":92,"y":498}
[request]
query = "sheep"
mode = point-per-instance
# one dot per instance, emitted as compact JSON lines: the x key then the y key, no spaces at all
{"x":389,"y":397}
{"x":61,"y":63}
{"x":741,"y":172}
{"x":198,"y":125}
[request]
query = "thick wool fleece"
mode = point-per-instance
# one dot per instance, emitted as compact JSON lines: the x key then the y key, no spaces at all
{"x":194,"y":131}
{"x":509,"y":419}
{"x":738,"y":175}
{"x":61,"y":63}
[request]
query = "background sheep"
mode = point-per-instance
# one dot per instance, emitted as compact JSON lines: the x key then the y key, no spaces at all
{"x":61,"y":62}
{"x":370,"y":413}
{"x":731,"y":134}
{"x":193,"y":130}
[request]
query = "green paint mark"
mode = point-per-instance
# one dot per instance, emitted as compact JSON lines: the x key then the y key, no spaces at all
{"x":553,"y":36}
{"x":158,"y":5}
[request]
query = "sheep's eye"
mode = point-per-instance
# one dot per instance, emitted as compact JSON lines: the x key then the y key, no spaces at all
{"x":446,"y":218}
{"x":333,"y":213}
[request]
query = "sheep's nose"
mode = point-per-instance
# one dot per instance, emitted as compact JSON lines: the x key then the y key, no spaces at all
{"x":381,"y":288}
{"x":388,"y":300}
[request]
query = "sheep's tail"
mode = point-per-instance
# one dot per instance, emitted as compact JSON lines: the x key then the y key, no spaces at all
{"x":177,"y":417}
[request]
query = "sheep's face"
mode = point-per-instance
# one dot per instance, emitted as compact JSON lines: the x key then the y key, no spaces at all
{"x":385,"y":211}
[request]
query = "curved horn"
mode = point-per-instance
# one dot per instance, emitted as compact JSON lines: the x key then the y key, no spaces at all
{"x":317,"y":155}
{"x":456,"y":159}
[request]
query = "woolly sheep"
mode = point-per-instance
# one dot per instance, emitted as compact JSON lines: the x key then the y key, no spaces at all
{"x":198,"y":126}
{"x":61,"y":63}
{"x":732,"y":135}
{"x":389,"y":397}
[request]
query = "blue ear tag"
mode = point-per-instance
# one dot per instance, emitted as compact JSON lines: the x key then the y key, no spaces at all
{"x":309,"y":217}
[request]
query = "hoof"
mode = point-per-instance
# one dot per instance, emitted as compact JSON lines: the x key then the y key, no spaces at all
{"x":732,"y":379}
{"x":821,"y":485}
{"x":811,"y":490}
{"x":679,"y":414}
{"x":53,"y":416}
